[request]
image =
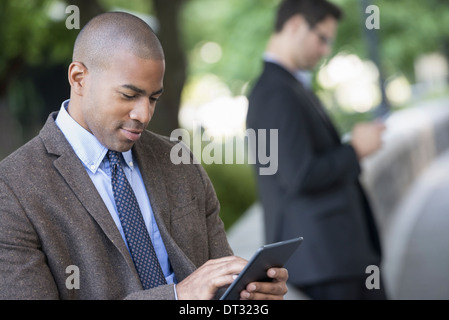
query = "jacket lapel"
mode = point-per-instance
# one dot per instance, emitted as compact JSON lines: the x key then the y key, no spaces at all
{"x":312,"y":99}
{"x":153,"y":177}
{"x":76,"y":177}
{"x":322,"y":114}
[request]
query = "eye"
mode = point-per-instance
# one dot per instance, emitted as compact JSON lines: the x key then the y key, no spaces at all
{"x":128,"y":97}
{"x":155,"y":99}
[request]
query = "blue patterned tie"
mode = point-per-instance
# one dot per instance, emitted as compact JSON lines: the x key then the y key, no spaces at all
{"x":136,"y":233}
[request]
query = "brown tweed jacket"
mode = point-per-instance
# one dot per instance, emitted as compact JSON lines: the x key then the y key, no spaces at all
{"x":52,"y":217}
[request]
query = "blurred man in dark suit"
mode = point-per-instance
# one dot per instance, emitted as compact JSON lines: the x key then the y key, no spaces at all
{"x":316,"y":192}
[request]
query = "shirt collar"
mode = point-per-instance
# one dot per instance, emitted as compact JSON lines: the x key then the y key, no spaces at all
{"x":86,"y":146}
{"x":303,"y":76}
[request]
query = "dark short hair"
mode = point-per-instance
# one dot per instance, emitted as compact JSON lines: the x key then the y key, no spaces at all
{"x":314,"y":11}
{"x":112,"y":31}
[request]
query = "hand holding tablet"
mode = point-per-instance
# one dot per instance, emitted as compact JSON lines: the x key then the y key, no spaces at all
{"x":266,"y":257}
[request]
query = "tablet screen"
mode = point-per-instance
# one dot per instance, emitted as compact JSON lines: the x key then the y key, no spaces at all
{"x":266,"y":257}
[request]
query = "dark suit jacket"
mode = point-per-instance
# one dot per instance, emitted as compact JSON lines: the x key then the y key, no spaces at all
{"x":52,"y":217}
{"x":315,"y":193}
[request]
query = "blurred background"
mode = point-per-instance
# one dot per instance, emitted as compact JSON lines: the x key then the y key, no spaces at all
{"x":213,"y":52}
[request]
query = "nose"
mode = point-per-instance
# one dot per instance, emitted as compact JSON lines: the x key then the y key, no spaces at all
{"x":142,"y":111}
{"x":327,"y":50}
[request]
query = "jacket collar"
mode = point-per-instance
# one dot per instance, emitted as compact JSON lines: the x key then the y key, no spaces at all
{"x":74,"y":173}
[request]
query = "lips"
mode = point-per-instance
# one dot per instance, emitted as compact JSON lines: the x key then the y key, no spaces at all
{"x":132,"y":134}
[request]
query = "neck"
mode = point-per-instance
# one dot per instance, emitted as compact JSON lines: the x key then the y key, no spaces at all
{"x":279,"y":49}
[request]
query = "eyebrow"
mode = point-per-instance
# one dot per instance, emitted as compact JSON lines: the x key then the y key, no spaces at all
{"x":141,"y":91}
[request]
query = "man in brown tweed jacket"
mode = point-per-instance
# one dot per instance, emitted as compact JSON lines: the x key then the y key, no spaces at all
{"x":58,"y":236}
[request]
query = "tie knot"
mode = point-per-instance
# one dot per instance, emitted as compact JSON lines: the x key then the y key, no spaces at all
{"x":114,"y":157}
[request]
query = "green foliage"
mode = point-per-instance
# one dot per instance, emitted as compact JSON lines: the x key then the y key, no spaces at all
{"x":241,"y":28}
{"x":235,"y":188}
{"x":234,"y":183}
{"x":29,"y":33}
{"x":408,"y":28}
{"x":345,"y":121}
{"x":143,"y":6}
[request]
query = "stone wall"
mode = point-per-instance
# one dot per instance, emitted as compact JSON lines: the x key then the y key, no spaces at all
{"x":414,"y":138}
{"x":408,"y":183}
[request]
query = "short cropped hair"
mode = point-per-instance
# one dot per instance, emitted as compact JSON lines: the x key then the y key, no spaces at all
{"x":314,"y":11}
{"x":112,"y":31}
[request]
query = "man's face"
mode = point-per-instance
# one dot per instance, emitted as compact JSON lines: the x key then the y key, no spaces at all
{"x":119,"y":101}
{"x":314,"y":43}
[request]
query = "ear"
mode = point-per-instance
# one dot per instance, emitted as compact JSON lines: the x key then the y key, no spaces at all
{"x":296,"y":22}
{"x":77,"y":77}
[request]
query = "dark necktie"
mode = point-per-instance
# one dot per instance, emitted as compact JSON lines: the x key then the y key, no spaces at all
{"x":136,"y":233}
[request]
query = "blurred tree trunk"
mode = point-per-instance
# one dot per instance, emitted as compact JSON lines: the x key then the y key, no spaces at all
{"x":166,"y":116}
{"x":446,"y":53}
{"x":88,"y":10}
{"x":10,"y":131}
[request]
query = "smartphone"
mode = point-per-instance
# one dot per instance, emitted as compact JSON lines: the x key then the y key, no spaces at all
{"x":266,"y":257}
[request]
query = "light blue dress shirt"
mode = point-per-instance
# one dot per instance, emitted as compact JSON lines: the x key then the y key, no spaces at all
{"x":92,"y":155}
{"x":303,"y":76}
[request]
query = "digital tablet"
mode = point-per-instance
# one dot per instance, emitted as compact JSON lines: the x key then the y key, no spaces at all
{"x":266,"y":257}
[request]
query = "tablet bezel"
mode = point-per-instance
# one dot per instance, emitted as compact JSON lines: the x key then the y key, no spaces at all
{"x":266,"y":257}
